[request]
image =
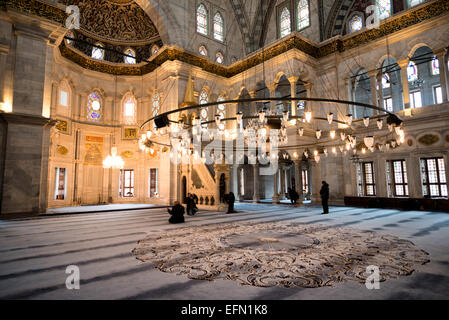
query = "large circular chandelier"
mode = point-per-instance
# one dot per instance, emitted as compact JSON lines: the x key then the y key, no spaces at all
{"x":317,"y":135}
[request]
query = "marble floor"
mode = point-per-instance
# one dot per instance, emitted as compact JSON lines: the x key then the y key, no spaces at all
{"x":34,"y":254}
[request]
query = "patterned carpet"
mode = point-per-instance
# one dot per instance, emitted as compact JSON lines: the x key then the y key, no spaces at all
{"x":279,"y":254}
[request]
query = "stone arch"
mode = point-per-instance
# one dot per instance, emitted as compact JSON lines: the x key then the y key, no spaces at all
{"x":164,"y":19}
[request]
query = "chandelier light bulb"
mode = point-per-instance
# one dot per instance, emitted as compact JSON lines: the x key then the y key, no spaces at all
{"x":349,"y":119}
{"x":342,"y":148}
{"x":363,"y":150}
{"x":315,"y":153}
{"x":380,"y":124}
{"x":332,"y":134}
{"x":218,"y":120}
{"x":369,"y":141}
{"x":144,"y":137}
{"x":295,"y":155}
{"x":330,"y":117}
{"x":366,"y":121}
{"x":334,"y":150}
{"x":393,"y":144}
{"x":308,"y":116}
{"x":317,"y":158}
{"x":318,"y":134}
{"x":301,"y":132}
{"x":343,"y":136}
{"x":390,"y":127}
{"x":325,"y":151}
{"x":306,"y":154}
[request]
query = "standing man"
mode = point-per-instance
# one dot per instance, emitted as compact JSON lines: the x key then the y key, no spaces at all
{"x":324,"y":192}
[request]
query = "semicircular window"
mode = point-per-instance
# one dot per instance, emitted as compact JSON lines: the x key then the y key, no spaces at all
{"x":355,"y":24}
{"x":98,"y":52}
{"x":94,"y":104}
{"x":219,"y":58}
{"x":130,"y":56}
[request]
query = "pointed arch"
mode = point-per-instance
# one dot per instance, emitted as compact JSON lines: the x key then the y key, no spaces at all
{"x":129,"y":108}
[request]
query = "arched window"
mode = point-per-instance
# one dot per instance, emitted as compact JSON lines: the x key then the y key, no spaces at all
{"x":412,"y":3}
{"x":285,"y":23}
{"x":435,"y":66}
{"x":130,"y":56}
{"x":412,"y":72}
{"x":94,"y":107}
{"x":386,"y":81}
{"x":203,"y":99}
{"x":98,"y":52}
{"x":129,"y":103}
{"x":156,"y":103}
{"x":219,"y":57}
{"x":201,"y":19}
{"x":154,"y":50}
{"x":355,"y":24}
{"x":303,"y":14}
{"x":218,"y":27}
{"x":384,"y":8}
{"x":203,"y":51}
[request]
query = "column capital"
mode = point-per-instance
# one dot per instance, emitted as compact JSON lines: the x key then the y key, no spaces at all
{"x":293,"y":80}
{"x":403,"y":63}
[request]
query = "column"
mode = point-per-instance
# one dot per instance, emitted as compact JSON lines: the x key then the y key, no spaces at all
{"x":441,"y":56}
{"x":293,"y":81}
{"x":309,"y":104}
{"x":403,"y":64}
{"x":282,"y":178}
{"x":373,"y":85}
{"x":298,"y":180}
{"x":446,"y":167}
{"x":275,"y":187}
{"x":380,"y":176}
{"x":272,"y":88}
{"x":256,"y":197}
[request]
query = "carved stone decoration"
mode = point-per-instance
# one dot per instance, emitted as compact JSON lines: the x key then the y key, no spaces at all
{"x":62,"y":150}
{"x":279,"y":254}
{"x":410,"y":142}
{"x":127,"y":154}
{"x":428,"y":139}
{"x":196,"y":180}
{"x":62,"y":126}
{"x":118,"y":21}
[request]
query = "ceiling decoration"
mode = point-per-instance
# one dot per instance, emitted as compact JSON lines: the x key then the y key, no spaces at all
{"x":121,"y":21}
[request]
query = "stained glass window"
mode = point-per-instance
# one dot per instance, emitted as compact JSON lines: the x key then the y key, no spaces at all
{"x":355,"y":24}
{"x":201,"y":19}
{"x":412,"y":3}
{"x":435,"y":66}
{"x":285,"y":23}
{"x":98,"y":52}
{"x":130,"y":56}
{"x":218,"y":27}
{"x":203,"y":51}
{"x":156,"y":103}
{"x":219,"y":57}
{"x":94,"y":103}
{"x":303,"y":14}
{"x":386,"y":81}
{"x":384,"y":7}
{"x":129,"y":109}
{"x":412,"y":72}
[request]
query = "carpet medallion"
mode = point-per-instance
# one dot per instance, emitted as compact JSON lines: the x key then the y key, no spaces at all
{"x":279,"y":254}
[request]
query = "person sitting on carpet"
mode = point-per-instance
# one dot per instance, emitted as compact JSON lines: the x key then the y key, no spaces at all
{"x":177,"y":213}
{"x":230,"y":199}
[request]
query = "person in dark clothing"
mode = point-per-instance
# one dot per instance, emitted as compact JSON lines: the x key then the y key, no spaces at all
{"x":177,"y":213}
{"x":295,"y":196}
{"x":189,"y":203}
{"x":324,"y":192}
{"x":193,"y":202}
{"x":230,"y":199}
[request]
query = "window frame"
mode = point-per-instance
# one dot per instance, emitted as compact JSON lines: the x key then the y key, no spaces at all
{"x":123,"y":185}
{"x":207,"y":19}
{"x":57,"y":184}
{"x":154,"y":194}
{"x":435,"y":97}
{"x":364,"y":179}
{"x":281,"y":7}
{"x":404,"y":183}
{"x":296,"y":16}
{"x":218,"y":12}
{"x":426,"y":184}
{"x":412,"y":97}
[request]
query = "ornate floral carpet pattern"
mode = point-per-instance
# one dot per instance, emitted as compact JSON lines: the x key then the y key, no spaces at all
{"x":279,"y":254}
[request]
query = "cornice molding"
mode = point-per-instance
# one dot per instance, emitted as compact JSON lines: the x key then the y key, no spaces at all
{"x":295,"y":41}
